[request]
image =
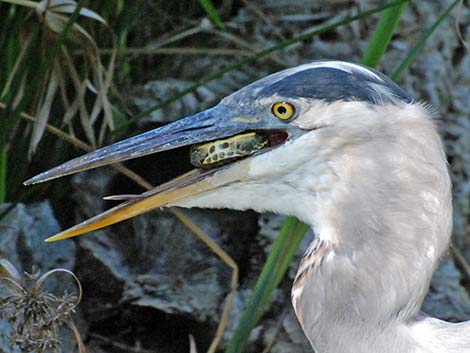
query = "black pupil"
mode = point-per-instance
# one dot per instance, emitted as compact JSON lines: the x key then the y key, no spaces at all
{"x":282,"y":110}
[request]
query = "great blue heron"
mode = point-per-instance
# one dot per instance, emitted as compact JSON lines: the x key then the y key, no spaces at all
{"x":345,"y":150}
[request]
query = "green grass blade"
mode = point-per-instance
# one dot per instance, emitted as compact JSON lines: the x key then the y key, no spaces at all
{"x":3,"y":173}
{"x":212,"y":13}
{"x":284,"y":249}
{"x":422,"y":40}
{"x":253,"y":58}
{"x":382,"y":35}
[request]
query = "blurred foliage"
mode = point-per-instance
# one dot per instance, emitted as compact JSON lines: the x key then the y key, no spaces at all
{"x":41,"y":74}
{"x":212,"y":13}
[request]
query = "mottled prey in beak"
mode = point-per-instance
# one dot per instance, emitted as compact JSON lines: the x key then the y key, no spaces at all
{"x":216,"y":123}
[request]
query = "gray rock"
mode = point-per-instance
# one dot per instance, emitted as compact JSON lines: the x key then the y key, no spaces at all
{"x":22,"y":234}
{"x":447,"y":299}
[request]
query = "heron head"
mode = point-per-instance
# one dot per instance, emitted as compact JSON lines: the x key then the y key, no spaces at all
{"x":261,"y":140}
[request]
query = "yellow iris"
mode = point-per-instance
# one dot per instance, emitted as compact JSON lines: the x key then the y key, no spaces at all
{"x":283,"y":110}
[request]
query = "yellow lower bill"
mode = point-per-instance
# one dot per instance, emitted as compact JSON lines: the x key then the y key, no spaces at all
{"x":183,"y":187}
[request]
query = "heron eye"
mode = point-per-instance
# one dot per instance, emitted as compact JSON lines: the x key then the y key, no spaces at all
{"x":283,"y":110}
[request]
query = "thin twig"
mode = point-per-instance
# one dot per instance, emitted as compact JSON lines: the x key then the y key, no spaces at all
{"x":122,"y":346}
{"x":244,"y":43}
{"x":277,"y":329}
{"x":458,"y":15}
{"x":150,"y":50}
{"x":264,"y":17}
{"x":76,"y":335}
{"x":179,"y":36}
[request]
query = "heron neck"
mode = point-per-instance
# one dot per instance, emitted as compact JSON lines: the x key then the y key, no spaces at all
{"x":380,"y":232}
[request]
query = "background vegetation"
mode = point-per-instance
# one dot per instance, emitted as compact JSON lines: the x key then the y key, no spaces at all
{"x":73,"y":75}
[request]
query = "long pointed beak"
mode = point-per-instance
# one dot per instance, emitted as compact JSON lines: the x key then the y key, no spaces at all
{"x":215,"y":123}
{"x":211,"y":124}
{"x":185,"y":186}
